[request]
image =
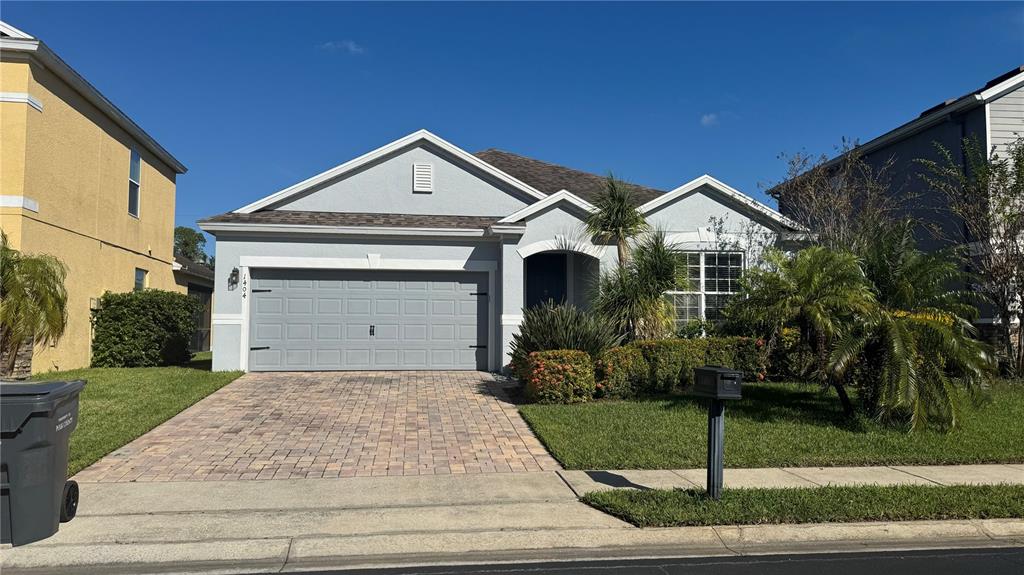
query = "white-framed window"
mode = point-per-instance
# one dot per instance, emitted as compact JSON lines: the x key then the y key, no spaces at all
{"x":711,"y":279}
{"x":141,"y":279}
{"x":134,"y":182}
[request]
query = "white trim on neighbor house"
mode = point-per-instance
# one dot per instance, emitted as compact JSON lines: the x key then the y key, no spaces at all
{"x":987,"y":146}
{"x":338,"y":230}
{"x":371,"y":262}
{"x":40,"y":52}
{"x":726,"y":190}
{"x":21,"y":98}
{"x":14,"y":32}
{"x":19,"y":202}
{"x":1007,"y":85}
{"x":555,"y":198}
{"x":415,"y":137}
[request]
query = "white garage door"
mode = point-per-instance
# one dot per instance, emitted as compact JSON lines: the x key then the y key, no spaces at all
{"x":355,"y":319}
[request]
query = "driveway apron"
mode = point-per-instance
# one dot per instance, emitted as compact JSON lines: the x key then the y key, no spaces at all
{"x":335,"y":424}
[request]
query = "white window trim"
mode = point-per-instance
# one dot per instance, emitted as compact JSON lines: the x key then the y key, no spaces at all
{"x":138,"y":202}
{"x":701,"y":292}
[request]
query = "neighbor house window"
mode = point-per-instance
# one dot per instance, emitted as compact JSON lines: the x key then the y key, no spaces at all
{"x":711,"y":279}
{"x":134,"y":179}
{"x":141,"y":279}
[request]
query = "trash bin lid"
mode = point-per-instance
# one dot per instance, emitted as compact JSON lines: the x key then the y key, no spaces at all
{"x":19,"y":400}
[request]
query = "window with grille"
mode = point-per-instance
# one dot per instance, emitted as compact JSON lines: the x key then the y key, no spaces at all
{"x":134,"y":182}
{"x":711,"y":279}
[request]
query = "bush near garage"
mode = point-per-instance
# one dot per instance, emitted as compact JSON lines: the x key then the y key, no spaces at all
{"x":147,"y":328}
{"x":551,"y":326}
{"x":559,"y":376}
{"x":620,"y":372}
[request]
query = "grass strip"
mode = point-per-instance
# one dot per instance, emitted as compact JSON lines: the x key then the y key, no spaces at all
{"x":675,"y":508}
{"x":120,"y":404}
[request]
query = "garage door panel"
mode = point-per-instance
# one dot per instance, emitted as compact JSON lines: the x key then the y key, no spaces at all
{"x":320,"y":320}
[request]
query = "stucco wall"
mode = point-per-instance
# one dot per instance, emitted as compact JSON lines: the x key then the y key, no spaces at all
{"x":74,"y":163}
{"x":386,"y":187}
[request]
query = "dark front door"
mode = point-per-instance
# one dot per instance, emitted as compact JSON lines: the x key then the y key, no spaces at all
{"x":545,"y":278}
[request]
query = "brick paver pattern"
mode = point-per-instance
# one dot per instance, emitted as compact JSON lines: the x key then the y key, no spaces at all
{"x":335,"y":424}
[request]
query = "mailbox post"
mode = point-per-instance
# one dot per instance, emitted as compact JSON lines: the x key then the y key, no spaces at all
{"x":717,"y":384}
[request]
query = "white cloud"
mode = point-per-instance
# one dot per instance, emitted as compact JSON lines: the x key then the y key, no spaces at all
{"x":347,"y":46}
{"x":709,"y":119}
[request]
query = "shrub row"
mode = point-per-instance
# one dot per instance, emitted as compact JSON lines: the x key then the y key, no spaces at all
{"x":640,"y":368}
{"x":144,"y":328}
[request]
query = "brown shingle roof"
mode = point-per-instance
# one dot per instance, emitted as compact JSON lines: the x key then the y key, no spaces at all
{"x":550,"y":178}
{"x":294,"y":217}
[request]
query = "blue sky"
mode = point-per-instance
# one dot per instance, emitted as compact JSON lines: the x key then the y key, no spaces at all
{"x":255,"y":97}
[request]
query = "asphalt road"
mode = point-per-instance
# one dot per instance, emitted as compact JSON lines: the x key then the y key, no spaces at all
{"x":933,"y":562}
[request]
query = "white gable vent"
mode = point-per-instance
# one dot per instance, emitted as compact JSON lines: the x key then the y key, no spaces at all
{"x":423,"y":178}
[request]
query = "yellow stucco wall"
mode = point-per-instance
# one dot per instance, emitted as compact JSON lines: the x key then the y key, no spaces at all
{"x":73,"y":160}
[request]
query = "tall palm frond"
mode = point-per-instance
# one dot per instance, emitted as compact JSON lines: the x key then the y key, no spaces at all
{"x":617,"y":218}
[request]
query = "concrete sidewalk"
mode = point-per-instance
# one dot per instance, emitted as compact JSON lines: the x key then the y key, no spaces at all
{"x":292,"y":525}
{"x":586,"y":481}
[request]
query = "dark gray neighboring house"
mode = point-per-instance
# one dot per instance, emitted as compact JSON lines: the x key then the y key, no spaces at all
{"x":198,"y":279}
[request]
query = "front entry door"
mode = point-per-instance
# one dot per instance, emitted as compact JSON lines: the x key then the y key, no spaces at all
{"x":546,"y":278}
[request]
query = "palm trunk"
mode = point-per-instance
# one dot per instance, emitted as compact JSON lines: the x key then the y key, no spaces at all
{"x":844,"y":399}
{"x":623,"y":250}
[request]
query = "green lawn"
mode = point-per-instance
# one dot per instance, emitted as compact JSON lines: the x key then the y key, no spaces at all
{"x":662,"y":508}
{"x":774,"y":425}
{"x":118,"y":405}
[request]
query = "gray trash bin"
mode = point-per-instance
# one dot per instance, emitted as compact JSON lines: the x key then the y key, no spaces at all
{"x":36,"y":420}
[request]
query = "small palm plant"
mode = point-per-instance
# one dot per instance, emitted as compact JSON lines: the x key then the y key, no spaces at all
{"x":818,"y":290}
{"x":617,"y":218}
{"x":33,"y":301}
{"x":918,"y":347}
{"x":632,"y":296}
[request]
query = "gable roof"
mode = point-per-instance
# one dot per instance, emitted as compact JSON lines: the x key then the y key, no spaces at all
{"x":13,"y":40}
{"x":189,"y":266}
{"x":407,"y":141}
{"x":550,"y":178}
{"x":555,"y":198}
{"x":730,"y":194}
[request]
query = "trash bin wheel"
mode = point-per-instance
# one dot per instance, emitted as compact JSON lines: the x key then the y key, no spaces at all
{"x":69,"y":504}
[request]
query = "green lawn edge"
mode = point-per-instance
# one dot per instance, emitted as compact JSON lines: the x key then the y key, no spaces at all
{"x":832,"y":504}
{"x":118,"y":405}
{"x":774,"y":425}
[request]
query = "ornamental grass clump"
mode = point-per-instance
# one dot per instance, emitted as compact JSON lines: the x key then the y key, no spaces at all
{"x":552,"y":326}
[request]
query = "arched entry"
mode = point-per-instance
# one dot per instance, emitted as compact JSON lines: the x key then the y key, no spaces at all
{"x":563,"y":276}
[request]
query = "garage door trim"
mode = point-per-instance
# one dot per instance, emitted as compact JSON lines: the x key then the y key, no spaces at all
{"x":372,"y":262}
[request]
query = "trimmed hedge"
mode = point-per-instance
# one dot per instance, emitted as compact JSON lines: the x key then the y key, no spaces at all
{"x":559,"y":376}
{"x":620,"y":372}
{"x":146,"y":328}
{"x":670,"y":362}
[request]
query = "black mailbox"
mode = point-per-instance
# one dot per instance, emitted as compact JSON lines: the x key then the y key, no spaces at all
{"x":716,"y":382}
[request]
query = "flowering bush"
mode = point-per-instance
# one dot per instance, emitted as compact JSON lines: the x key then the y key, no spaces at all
{"x":559,"y":376}
{"x":620,"y":372}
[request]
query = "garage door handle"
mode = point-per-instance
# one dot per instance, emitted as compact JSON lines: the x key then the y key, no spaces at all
{"x":478,"y":346}
{"x":259,"y":348}
{"x":262,"y":290}
{"x":372,"y":329}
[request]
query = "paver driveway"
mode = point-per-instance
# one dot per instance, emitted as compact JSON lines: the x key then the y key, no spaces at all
{"x":335,"y":424}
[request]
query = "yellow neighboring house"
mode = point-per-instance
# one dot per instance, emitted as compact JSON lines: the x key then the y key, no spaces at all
{"x":81,"y":181}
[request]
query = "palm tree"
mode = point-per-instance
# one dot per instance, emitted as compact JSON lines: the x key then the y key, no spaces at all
{"x":616,"y":218}
{"x":918,"y":346}
{"x":819,"y":290}
{"x":632,"y":296}
{"x":33,"y":301}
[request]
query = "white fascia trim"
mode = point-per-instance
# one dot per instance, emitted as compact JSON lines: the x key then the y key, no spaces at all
{"x":1003,"y":87}
{"x":227,"y":319}
{"x":19,"y":202}
{"x":50,"y":60}
{"x":21,"y":98}
{"x":559,"y":196}
{"x":987,"y":146}
{"x":339,"y":230}
{"x":371,"y":262}
{"x":507,"y":230}
{"x":421,"y":135}
{"x":726,"y":190}
{"x":14,"y":32}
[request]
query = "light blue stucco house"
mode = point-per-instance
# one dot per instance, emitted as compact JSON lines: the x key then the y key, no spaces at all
{"x":420,"y":255}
